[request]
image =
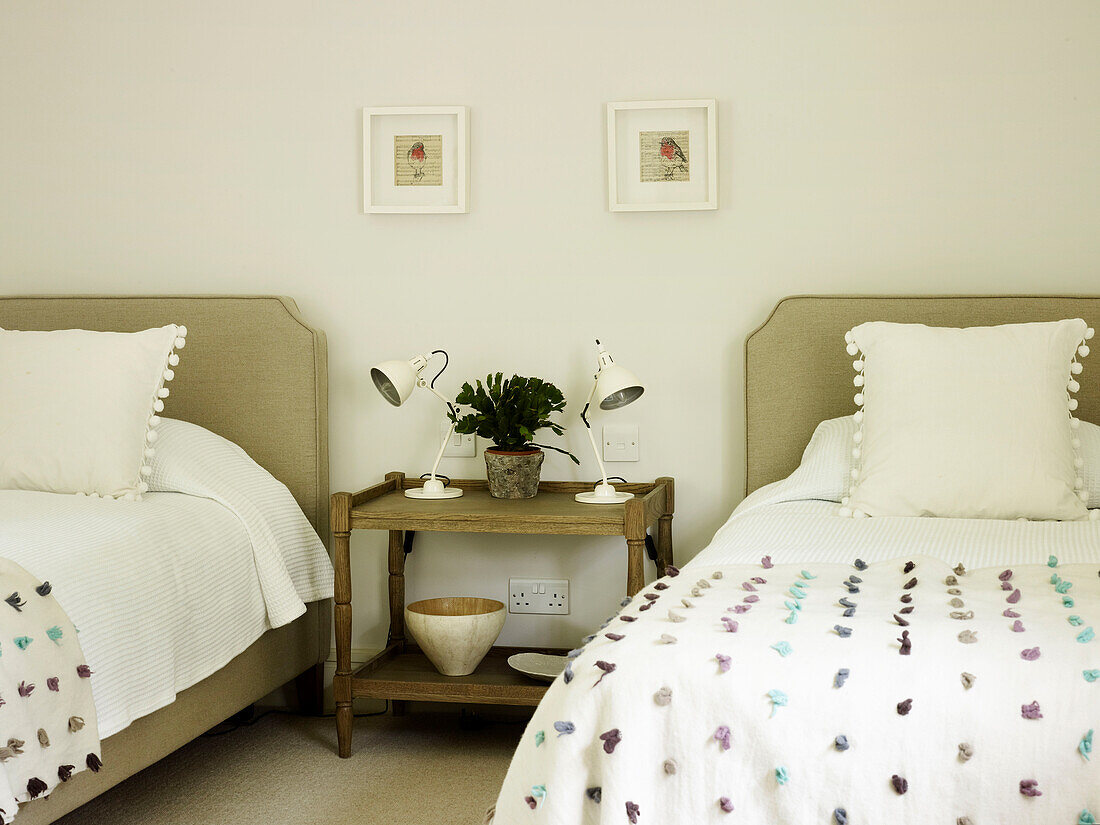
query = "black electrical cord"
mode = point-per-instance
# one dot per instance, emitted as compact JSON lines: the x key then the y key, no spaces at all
{"x":431,"y":384}
{"x":230,"y":726}
{"x":446,"y":361}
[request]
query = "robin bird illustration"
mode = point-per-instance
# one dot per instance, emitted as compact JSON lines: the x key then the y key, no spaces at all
{"x":416,"y":158}
{"x":672,"y":157}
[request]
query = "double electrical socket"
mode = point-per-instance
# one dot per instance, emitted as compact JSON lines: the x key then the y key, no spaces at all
{"x":538,"y":595}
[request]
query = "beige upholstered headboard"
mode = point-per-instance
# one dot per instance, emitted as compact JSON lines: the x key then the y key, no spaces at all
{"x":252,"y":371}
{"x":797,"y":373}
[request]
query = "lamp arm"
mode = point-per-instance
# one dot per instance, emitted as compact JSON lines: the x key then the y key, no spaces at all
{"x":450,"y":430}
{"x":450,"y":407}
{"x":442,"y":448}
{"x":591,"y":438}
{"x":588,"y":403}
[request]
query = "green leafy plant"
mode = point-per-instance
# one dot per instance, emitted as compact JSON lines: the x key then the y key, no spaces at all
{"x":509,"y":411}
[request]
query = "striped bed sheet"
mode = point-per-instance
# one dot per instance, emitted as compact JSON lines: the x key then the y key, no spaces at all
{"x":796,"y":531}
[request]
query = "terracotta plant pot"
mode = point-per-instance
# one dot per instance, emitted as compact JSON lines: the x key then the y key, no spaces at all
{"x":455,"y":632}
{"x":513,"y":474}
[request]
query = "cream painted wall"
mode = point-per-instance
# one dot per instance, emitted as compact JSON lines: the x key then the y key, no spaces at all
{"x":935,"y":146}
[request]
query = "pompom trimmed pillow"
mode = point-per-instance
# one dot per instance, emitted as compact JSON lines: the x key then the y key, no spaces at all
{"x":827,"y":461}
{"x":967,"y":423}
{"x":78,"y":408}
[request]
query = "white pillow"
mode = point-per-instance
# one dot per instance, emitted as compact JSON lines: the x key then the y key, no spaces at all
{"x":1089,"y":434}
{"x":824,"y":472}
{"x":971,"y":423}
{"x":77,"y":408}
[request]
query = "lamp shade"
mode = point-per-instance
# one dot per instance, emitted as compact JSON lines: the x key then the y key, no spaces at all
{"x":395,"y":380}
{"x":616,"y":387}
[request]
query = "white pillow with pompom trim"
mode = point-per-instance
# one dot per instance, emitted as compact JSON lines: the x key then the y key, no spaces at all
{"x":967,"y":423}
{"x":78,"y":409}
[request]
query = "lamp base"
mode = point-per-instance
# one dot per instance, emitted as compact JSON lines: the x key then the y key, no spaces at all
{"x":433,"y":489}
{"x":603,"y":494}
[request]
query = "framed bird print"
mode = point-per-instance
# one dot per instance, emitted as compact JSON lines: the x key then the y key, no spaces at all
{"x":416,"y":159}
{"x":662,"y":155}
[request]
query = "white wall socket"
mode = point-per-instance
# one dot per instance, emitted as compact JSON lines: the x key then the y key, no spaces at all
{"x":538,"y":595}
{"x":458,"y":446}
{"x":620,"y":442}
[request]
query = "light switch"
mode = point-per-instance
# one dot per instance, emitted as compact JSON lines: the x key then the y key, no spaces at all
{"x":458,"y":446}
{"x":620,"y":442}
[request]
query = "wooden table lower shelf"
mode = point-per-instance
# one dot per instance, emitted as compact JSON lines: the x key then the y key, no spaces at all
{"x":407,"y":674}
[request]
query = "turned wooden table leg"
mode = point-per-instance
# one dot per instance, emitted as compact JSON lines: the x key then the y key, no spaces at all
{"x":397,"y":602}
{"x":341,"y":683}
{"x":634,"y":528}
{"x":664,"y":544}
{"x":664,"y":527}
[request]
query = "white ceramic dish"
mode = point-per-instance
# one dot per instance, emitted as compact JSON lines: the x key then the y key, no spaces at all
{"x":541,"y":666}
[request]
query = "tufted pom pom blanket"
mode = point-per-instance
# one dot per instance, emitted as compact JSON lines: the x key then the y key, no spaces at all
{"x":905,"y":692}
{"x":47,"y":716}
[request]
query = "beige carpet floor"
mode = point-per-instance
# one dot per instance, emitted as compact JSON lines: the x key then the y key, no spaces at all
{"x":418,"y":769}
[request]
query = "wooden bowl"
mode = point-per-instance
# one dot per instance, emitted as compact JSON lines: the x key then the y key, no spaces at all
{"x":455,"y":632}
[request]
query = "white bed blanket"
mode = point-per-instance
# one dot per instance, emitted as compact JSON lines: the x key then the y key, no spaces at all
{"x":168,"y":590}
{"x":723,"y":694}
{"x":165,"y":591}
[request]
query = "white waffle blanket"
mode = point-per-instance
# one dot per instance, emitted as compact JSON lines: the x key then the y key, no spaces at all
{"x":168,"y":590}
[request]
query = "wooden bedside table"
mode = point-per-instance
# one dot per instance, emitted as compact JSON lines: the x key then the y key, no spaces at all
{"x":401,"y":672}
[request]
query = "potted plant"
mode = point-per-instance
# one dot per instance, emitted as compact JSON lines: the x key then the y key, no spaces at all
{"x":508,"y":412}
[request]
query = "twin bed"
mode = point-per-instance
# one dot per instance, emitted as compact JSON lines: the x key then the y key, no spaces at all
{"x":808,"y":668}
{"x":213,"y":591}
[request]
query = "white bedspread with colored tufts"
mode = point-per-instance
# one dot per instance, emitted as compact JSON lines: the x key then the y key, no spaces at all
{"x":905,"y":691}
{"x":48,"y":726}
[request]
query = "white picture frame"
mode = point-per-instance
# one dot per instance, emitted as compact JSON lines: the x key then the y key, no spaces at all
{"x":675,"y":179}
{"x":439,"y":185}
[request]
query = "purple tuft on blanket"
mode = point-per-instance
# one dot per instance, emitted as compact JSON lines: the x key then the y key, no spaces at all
{"x":610,"y":739}
{"x":722,"y":737}
{"x":1030,"y":787}
{"x":1031,"y":711}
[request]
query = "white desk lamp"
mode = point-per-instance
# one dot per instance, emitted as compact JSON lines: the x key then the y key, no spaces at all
{"x":396,"y":380}
{"x":614,"y":387}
